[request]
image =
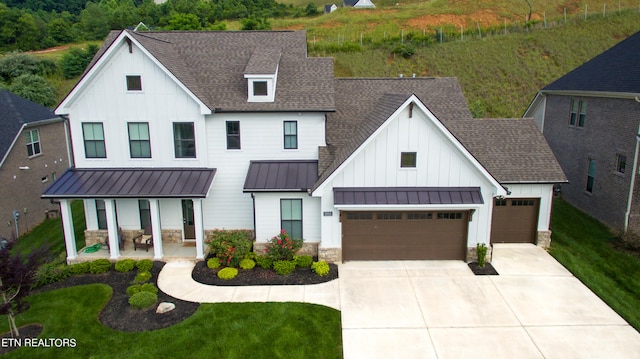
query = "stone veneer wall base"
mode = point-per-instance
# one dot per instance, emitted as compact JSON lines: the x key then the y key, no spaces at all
{"x":543,"y":239}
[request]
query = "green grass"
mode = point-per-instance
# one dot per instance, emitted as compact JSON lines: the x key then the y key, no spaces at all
{"x":580,"y":243}
{"x":226,"y":330}
{"x":50,"y":233}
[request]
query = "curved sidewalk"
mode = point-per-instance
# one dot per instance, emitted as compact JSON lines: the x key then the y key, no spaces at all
{"x":175,"y":279}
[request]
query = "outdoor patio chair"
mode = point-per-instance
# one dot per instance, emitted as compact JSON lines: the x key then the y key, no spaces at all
{"x":120,"y":240}
{"x":144,"y":240}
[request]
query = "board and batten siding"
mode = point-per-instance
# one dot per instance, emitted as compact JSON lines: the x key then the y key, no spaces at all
{"x":377,"y":164}
{"x":268,"y":215}
{"x":160,"y":103}
{"x":261,"y":138}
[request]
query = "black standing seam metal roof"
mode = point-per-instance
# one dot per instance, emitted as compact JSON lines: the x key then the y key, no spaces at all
{"x":132,"y":183}
{"x":407,"y":195}
{"x":270,"y":176}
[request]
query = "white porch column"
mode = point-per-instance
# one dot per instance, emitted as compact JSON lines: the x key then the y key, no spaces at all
{"x":67,"y":227}
{"x":112,"y":228}
{"x":154,"y":208}
{"x":197,"y":218}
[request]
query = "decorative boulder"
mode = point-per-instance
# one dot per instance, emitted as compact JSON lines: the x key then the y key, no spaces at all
{"x":165,"y":307}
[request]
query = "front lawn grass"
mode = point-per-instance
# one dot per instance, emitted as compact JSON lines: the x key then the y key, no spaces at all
{"x":580,"y":243}
{"x":222,"y":330}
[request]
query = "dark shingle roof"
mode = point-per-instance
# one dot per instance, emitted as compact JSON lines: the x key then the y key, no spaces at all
{"x":132,"y":183}
{"x":615,"y":70}
{"x":16,"y":111}
{"x":264,"y":60}
{"x":406,"y":195}
{"x":281,"y":175}
{"x":211,"y":64}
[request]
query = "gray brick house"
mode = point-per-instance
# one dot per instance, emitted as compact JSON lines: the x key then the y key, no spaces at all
{"x":33,"y":152}
{"x":590,"y":118}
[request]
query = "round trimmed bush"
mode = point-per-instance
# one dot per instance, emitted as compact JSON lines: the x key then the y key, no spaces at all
{"x":264,"y":262}
{"x":321,"y":268}
{"x":133,"y":289}
{"x":137,"y":288}
{"x":99,"y":266}
{"x":125,"y":265}
{"x":213,"y":263}
{"x":79,"y":268}
{"x":247,"y":264}
{"x":142,"y":277}
{"x":142,"y":300}
{"x":227,"y":273}
{"x":284,"y":267}
{"x":303,"y":261}
{"x":144,"y":265}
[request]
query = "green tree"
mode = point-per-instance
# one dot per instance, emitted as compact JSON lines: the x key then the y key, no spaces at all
{"x":252,"y":23}
{"x":311,"y":10}
{"x":76,"y":60}
{"x":94,"y":22}
{"x":179,"y":21}
{"x":34,"y":88}
{"x":17,"y":64}
{"x":27,"y":33}
{"x":61,"y":30}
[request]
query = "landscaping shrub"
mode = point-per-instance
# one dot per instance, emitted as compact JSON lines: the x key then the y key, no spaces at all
{"x":213,"y":263}
{"x":230,"y":247}
{"x":133,"y":289}
{"x":247,"y":264}
{"x":227,"y":273}
{"x":481,"y":250}
{"x":284,"y":267}
{"x":321,"y":268}
{"x":282,"y":247}
{"x":51,"y":272}
{"x":79,"y":268}
{"x":125,"y":265}
{"x":303,"y":261}
{"x":142,"y":277}
{"x":144,"y":265}
{"x":99,"y":266}
{"x":137,"y":288}
{"x":264,"y":262}
{"x":250,"y":255}
{"x":143,"y":299}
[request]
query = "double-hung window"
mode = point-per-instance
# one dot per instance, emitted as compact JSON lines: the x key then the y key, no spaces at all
{"x":591,"y":175}
{"x":290,"y":134}
{"x":578,"y":113}
{"x":233,"y":135}
{"x":145,"y":213}
{"x":33,"y":142}
{"x":621,"y":163}
{"x":184,"y":140}
{"x":93,"y":135}
{"x":101,"y":214}
{"x":291,"y":217}
{"x":139,"y":140}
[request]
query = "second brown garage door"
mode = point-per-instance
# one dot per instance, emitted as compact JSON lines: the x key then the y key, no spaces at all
{"x":404,"y":235}
{"x":514,"y":220}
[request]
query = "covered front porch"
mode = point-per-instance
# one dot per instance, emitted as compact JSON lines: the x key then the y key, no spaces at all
{"x":164,"y":205}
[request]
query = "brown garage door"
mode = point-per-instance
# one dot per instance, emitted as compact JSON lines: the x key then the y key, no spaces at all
{"x":404,"y":235}
{"x":514,"y":220}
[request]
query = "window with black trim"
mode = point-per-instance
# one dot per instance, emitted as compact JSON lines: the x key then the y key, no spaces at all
{"x":233,"y":135}
{"x":290,"y":134}
{"x":578,"y":113}
{"x":621,"y":163}
{"x":389,"y":215}
{"x":33,"y":142}
{"x":591,"y":175}
{"x":93,"y":134}
{"x":408,"y":159}
{"x":359,"y":215}
{"x":291,"y":217}
{"x":419,"y":215}
{"x":500,"y":202}
{"x":134,"y":83}
{"x":101,"y":213}
{"x":145,"y":213}
{"x":523,"y":203}
{"x":259,"y":88}
{"x":139,"y":140}
{"x":184,"y":140}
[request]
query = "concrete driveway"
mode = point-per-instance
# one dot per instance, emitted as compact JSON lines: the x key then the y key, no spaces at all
{"x":535,"y":308}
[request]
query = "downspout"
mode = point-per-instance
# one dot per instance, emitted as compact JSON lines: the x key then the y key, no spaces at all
{"x":253,"y":198}
{"x":67,"y":138}
{"x":633,"y":177}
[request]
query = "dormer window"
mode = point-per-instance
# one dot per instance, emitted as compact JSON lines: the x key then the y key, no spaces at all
{"x":260,"y":88}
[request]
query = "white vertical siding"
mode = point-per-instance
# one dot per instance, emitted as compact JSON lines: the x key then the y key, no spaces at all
{"x":128,"y":213}
{"x":542,"y":191}
{"x":268,"y":215}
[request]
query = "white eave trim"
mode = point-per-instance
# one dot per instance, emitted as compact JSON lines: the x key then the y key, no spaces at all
{"x":499,"y":189}
{"x":63,"y":109}
{"x":407,"y":207}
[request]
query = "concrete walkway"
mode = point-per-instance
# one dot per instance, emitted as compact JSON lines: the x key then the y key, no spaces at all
{"x":535,"y":308}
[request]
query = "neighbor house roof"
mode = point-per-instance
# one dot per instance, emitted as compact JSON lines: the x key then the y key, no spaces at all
{"x":212,"y":64}
{"x":616,"y":70}
{"x":406,"y":195}
{"x":132,"y":183}
{"x":15,"y":112}
{"x":292,"y":175}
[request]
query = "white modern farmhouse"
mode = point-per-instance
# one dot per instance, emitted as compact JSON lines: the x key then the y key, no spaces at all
{"x":183,"y":133}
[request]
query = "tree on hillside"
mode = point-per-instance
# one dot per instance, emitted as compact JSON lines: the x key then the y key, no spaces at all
{"x":34,"y":88}
{"x":76,"y":60}
{"x":94,"y":22}
{"x":16,"y":276}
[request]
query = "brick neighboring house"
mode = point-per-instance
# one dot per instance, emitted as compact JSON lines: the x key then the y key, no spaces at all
{"x":591,"y":119}
{"x":33,"y":152}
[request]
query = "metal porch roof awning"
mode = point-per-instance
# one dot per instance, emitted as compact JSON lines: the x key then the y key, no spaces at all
{"x":372,"y":196}
{"x":280,"y":176}
{"x":132,"y":183}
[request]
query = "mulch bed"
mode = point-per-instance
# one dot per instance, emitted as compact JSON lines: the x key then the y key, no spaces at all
{"x":260,"y":276}
{"x":486,"y":270}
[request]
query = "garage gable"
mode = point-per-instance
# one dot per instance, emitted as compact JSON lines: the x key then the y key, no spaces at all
{"x":408,"y":148}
